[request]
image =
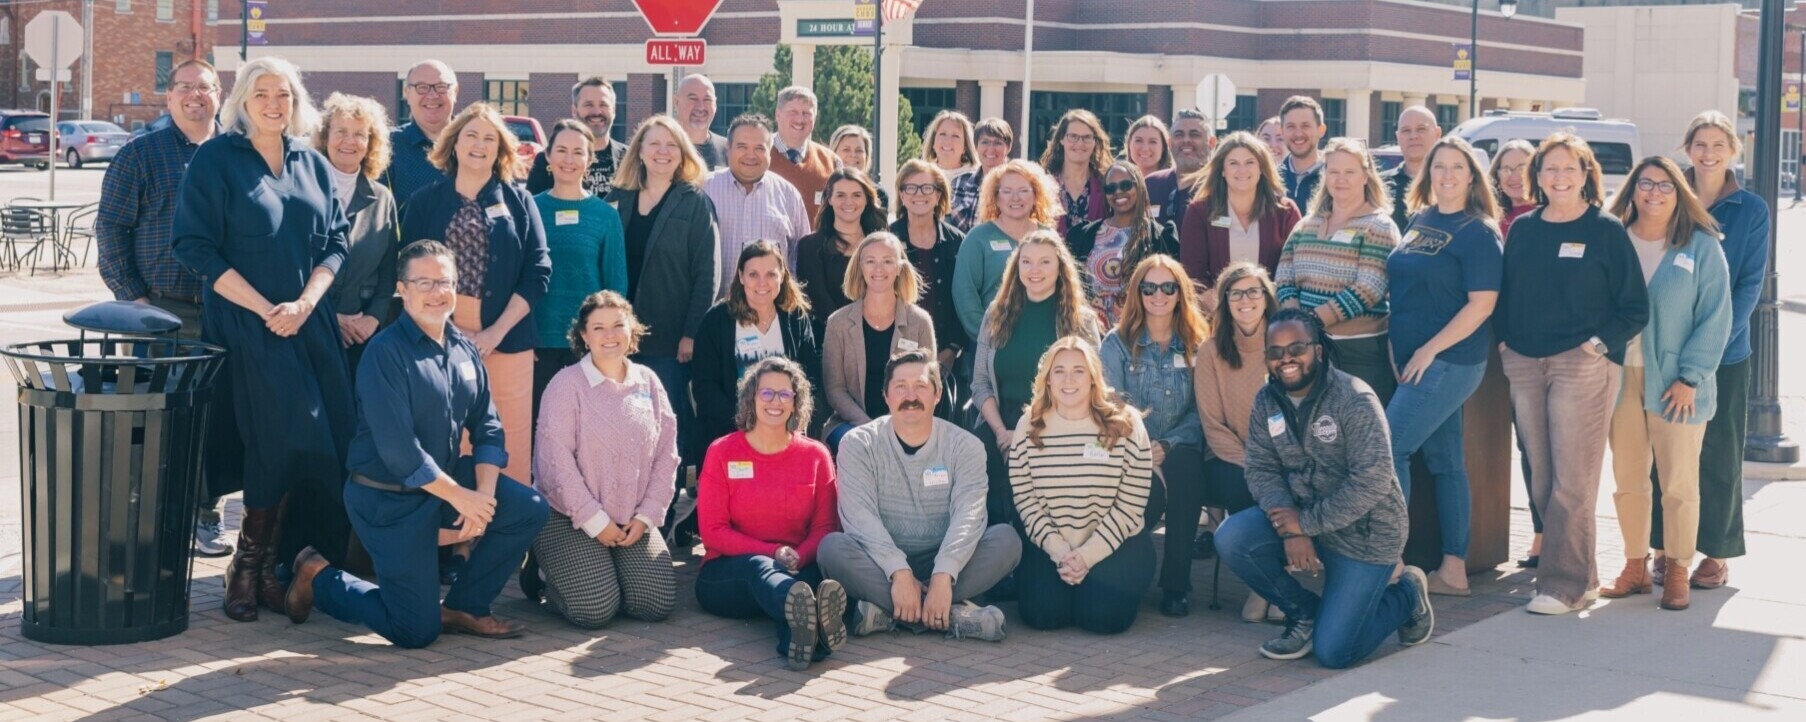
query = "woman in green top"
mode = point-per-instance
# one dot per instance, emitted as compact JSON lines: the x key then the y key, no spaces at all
{"x":1014,"y":200}
{"x":588,"y":248}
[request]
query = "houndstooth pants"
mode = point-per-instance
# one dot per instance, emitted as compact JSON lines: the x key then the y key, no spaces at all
{"x":588,"y":583}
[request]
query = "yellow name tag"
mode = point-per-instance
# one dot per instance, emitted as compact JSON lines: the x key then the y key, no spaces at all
{"x":565,"y":218}
{"x":739,"y":470}
{"x":1346,"y":235}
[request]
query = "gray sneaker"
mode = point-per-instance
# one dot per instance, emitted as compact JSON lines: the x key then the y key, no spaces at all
{"x":1295,"y":643}
{"x":800,"y":613}
{"x":970,"y":621}
{"x":1417,"y":629}
{"x":207,"y":541}
{"x":869,"y":618}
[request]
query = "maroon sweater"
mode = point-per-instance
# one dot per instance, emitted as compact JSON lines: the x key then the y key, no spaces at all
{"x":1204,"y":246}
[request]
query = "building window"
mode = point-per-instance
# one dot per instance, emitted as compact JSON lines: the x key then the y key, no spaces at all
{"x":620,"y":130}
{"x":1448,"y":116}
{"x":166,"y":11}
{"x":1244,"y":116}
{"x":1389,"y":112}
{"x":403,"y":113}
{"x":1335,"y":117}
{"x":926,"y":103}
{"x":508,"y":96}
{"x":731,"y":100}
{"x":1115,"y":110}
{"x":166,"y":63}
{"x":212,"y":12}
{"x":122,"y":6}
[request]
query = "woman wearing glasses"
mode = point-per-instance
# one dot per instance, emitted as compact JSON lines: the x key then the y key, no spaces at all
{"x":1148,"y":360}
{"x":1110,"y":249}
{"x":1015,"y":200}
{"x":933,"y":245}
{"x":765,"y":314}
{"x":1077,"y":153}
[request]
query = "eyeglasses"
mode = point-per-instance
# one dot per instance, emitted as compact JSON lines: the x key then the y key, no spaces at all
{"x":1076,"y":138}
{"x":1646,"y":185}
{"x":1119,"y":187}
{"x":431,"y":88}
{"x":1295,"y":350}
{"x":918,"y":189}
{"x":1170,"y":288}
{"x":1237,"y":294}
{"x":190,"y":88}
{"x":770,"y":395}
{"x":428,"y":285}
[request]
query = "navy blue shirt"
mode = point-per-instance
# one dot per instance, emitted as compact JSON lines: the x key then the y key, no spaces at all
{"x":416,"y":397}
{"x":133,"y":227}
{"x":1301,"y":186}
{"x":519,"y":263}
{"x":409,"y":170}
{"x":1444,"y":257}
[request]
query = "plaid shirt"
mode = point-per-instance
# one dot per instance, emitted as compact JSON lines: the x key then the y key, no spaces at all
{"x":137,"y":212}
{"x":965,"y":200}
{"x":772,"y":211}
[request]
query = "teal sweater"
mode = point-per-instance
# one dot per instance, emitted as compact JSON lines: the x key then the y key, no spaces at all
{"x":1689,"y":324}
{"x":589,"y":254}
{"x":978,"y":272}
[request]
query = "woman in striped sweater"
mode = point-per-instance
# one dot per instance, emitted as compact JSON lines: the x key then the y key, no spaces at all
{"x":1079,"y":469}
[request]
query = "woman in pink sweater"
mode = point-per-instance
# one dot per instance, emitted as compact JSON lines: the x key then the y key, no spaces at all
{"x":604,"y":457}
{"x":766,"y":498}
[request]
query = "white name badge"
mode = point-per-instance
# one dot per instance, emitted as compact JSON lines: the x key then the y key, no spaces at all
{"x":1346,"y":235}
{"x":496,"y":211}
{"x":746,"y":345}
{"x":1153,"y":211}
{"x":1684,"y":262}
{"x":935,"y":476}
{"x":565,"y":218}
{"x":641,"y":399}
{"x":1276,"y":425}
{"x":1178,"y":360}
{"x":818,"y":198}
{"x":468,"y":370}
{"x":904,"y":344}
{"x":1093,"y":452}
{"x":1000,"y":246}
{"x":1220,"y":221}
{"x":1573,"y":250}
{"x":739,"y":470}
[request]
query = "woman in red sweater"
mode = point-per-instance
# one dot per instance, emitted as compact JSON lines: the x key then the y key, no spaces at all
{"x":766,"y":500}
{"x":1240,"y":213}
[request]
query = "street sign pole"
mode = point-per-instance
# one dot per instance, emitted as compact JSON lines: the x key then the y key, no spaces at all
{"x":56,"y":96}
{"x":878,"y":98}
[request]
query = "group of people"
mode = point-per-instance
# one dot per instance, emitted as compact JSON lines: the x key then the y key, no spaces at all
{"x":448,"y":365}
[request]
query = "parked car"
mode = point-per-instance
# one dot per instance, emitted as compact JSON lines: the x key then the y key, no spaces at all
{"x":156,"y":124}
{"x":89,"y":141}
{"x":25,"y":138}
{"x":1387,"y":157}
{"x":1614,"y":142}
{"x":532,"y":137}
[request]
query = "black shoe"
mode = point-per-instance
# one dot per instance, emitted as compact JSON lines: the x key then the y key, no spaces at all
{"x":1204,"y":547}
{"x":1175,"y":604}
{"x":451,"y":568}
{"x":1530,"y":562}
{"x":530,"y":584}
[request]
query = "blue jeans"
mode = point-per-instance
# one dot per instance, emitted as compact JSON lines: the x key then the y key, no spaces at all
{"x":675,"y":377}
{"x":1427,"y":416}
{"x":751,"y":585}
{"x":1359,"y":609}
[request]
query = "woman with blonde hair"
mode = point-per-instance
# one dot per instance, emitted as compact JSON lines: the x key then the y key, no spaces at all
{"x":1078,"y":151}
{"x":1147,"y":144}
{"x":948,"y":143}
{"x":1016,"y":199}
{"x":1239,"y":213}
{"x":354,"y":137}
{"x":861,"y":337}
{"x":853,"y":146}
{"x":1079,"y":470}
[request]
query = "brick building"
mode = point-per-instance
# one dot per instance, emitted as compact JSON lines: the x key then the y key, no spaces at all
{"x":136,"y":43}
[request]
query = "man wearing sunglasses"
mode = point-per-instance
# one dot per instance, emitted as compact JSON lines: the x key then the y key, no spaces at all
{"x":1319,"y":464}
{"x":420,"y":386}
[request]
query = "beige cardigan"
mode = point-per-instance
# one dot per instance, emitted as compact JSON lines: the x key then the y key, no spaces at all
{"x":843,"y":355}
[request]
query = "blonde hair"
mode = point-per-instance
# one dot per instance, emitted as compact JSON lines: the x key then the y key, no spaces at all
{"x":1374,"y":191}
{"x":1715,"y":120}
{"x":853,"y":131}
{"x":1047,"y":208}
{"x":1072,"y":313}
{"x":444,"y":155}
{"x":303,"y":120}
{"x":632,"y":173}
{"x":968,"y":154}
{"x":1190,"y":326}
{"x":1482,"y":201}
{"x":908,"y":285}
{"x":357,"y":107}
{"x":918,"y":166}
{"x":1690,"y":214}
{"x":1115,"y":420}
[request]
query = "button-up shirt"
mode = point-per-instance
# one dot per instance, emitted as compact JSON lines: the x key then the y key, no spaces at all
{"x":965,"y":200}
{"x":416,"y":397}
{"x":772,"y":211}
{"x":1157,"y":379}
{"x":409,"y":170}
{"x":1300,"y":185}
{"x":137,"y":212}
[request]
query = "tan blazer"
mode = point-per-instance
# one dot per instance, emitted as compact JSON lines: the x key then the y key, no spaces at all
{"x":843,"y":355}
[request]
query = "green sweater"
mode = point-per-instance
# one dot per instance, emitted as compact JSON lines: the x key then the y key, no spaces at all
{"x":589,"y":254}
{"x":979,"y":272}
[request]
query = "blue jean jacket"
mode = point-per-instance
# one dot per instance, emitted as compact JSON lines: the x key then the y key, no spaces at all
{"x":1156,"y":380}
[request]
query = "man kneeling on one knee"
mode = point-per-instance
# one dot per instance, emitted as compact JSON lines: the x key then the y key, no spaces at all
{"x":912,"y":506}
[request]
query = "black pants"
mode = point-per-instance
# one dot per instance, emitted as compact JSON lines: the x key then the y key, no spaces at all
{"x":1368,"y":359}
{"x":1178,"y":492}
{"x":1000,"y":501}
{"x":1105,"y":603}
{"x":1720,"y":470}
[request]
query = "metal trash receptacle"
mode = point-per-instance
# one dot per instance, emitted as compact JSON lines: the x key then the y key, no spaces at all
{"x":110,"y":438}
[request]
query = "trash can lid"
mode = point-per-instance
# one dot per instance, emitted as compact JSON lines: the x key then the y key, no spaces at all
{"x":123,"y":317}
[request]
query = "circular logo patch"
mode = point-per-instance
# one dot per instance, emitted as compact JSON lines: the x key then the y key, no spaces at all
{"x":1325,"y":429}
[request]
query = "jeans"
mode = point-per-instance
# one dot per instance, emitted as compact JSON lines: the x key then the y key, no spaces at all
{"x":1360,"y":606}
{"x":1106,"y":602}
{"x":675,"y":377}
{"x":750,"y":585}
{"x":1427,"y":415}
{"x":834,"y":435}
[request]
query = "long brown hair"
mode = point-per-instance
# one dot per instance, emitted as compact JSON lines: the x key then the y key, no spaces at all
{"x":1190,"y":327}
{"x":1482,"y":201}
{"x":1053,"y":158}
{"x":1224,"y":323}
{"x":790,"y":297}
{"x":871,"y":219}
{"x":444,"y":155}
{"x":1115,"y":420}
{"x":1269,"y":192}
{"x":1072,"y":313}
{"x":1690,"y":215}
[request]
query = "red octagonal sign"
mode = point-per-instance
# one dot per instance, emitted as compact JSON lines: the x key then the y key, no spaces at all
{"x":677,"y":17}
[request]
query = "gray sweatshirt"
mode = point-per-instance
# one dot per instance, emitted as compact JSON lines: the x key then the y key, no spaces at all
{"x":896,"y":504}
{"x":1330,"y":457}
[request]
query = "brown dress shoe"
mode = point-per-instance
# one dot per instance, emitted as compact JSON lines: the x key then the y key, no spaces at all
{"x":299,"y":600}
{"x":1675,"y":592}
{"x":1711,"y":574}
{"x":489,"y":627}
{"x":1633,"y":580}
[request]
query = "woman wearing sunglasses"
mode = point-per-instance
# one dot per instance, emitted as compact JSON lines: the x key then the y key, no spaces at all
{"x":1148,"y":360}
{"x":1109,"y":249}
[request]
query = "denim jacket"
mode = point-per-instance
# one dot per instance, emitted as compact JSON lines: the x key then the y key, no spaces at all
{"x":1156,"y":380}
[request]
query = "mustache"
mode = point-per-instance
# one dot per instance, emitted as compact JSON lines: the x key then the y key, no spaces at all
{"x":911,"y":406}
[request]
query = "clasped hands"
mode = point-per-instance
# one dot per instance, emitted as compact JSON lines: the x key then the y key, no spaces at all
{"x":1301,"y":552}
{"x":932,"y":608}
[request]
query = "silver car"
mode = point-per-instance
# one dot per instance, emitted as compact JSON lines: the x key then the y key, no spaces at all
{"x":90,"y":141}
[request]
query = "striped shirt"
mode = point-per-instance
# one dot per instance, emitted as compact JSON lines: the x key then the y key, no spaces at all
{"x":772,"y":211}
{"x":1345,"y":271}
{"x":1075,"y":495}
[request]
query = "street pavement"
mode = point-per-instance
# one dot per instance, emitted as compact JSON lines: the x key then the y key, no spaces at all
{"x":1736,"y":655}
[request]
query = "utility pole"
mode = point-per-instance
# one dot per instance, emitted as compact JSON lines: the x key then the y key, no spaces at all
{"x":1765,"y":440}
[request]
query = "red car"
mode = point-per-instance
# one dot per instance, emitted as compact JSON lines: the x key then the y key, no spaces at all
{"x":531,"y":136}
{"x":25,"y":138}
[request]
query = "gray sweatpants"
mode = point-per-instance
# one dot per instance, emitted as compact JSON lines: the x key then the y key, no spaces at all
{"x":843,"y":560}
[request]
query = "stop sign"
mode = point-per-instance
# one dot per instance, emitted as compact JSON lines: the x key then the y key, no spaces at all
{"x":53,"y":29}
{"x":677,"y":17}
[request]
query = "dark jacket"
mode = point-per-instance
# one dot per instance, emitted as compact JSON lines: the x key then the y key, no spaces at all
{"x":816,"y":254}
{"x":519,"y":264}
{"x":1204,"y":245}
{"x":676,"y":283}
{"x":949,"y":333}
{"x":715,"y":374}
{"x":1083,"y":237}
{"x":366,"y":283}
{"x":1398,"y":185}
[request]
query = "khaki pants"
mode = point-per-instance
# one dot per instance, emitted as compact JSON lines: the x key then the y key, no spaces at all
{"x":1638,"y":435}
{"x":510,"y":389}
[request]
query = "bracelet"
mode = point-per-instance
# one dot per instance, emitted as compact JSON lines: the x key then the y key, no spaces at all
{"x":1284,"y":535}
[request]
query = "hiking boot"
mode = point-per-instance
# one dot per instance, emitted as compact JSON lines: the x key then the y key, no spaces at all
{"x":801,"y":616}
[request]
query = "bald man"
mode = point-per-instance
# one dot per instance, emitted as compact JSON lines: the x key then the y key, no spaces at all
{"x":1417,"y":134}
{"x":694,"y":106}
{"x":431,"y":91}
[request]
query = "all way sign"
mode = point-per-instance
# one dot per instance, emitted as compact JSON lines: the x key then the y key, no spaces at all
{"x":664,"y":51}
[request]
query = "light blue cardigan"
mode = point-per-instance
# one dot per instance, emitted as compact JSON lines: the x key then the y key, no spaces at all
{"x":1689,"y":324}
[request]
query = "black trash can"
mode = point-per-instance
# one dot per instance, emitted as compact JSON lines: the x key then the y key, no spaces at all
{"x":110,"y":435}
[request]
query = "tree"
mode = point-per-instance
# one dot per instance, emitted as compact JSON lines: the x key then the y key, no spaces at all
{"x":843,"y":92}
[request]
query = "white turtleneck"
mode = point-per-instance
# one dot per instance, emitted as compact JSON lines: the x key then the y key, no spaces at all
{"x":343,"y":184}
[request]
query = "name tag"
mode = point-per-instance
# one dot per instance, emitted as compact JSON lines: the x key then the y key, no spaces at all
{"x":640,"y":399}
{"x":1684,"y":262}
{"x":818,"y":198}
{"x":1572,"y":250}
{"x":934,"y":476}
{"x":565,"y":218}
{"x":1178,"y":360}
{"x":1000,"y":246}
{"x":1153,"y":211}
{"x":746,"y":345}
{"x":904,"y":344}
{"x":1093,"y":452}
{"x":467,"y":370}
{"x":739,"y":470}
{"x":1346,"y":235}
{"x":496,"y":211}
{"x":1220,"y":221}
{"x":1276,"y":425}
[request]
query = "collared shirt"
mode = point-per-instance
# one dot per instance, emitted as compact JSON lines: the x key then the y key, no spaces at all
{"x":137,"y":213}
{"x":772,"y":211}
{"x":409,"y":170}
{"x":1156,"y":378}
{"x":794,"y":154}
{"x":416,"y":397}
{"x":1300,"y":185}
{"x":965,"y":200}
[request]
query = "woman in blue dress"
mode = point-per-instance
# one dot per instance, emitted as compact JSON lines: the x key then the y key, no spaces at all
{"x":257,"y":220}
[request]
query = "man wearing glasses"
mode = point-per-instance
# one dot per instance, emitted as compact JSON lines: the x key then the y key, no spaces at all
{"x":431,"y":90}
{"x":421,"y":386}
{"x":132,"y":228}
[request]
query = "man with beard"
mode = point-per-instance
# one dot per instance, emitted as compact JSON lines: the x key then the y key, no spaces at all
{"x":1170,"y":189}
{"x":1329,"y":504}
{"x":912,"y":508}
{"x":132,"y":228}
{"x":593,"y":104}
{"x":695,"y":104}
{"x":431,"y":91}
{"x":1301,"y":123}
{"x":1417,"y":133}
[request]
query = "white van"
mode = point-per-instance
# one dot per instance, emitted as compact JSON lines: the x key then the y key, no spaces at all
{"x":1614,"y":141}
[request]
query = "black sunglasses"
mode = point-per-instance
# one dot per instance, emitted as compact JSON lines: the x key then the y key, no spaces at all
{"x":1295,"y":350}
{"x":1122,"y":186}
{"x":1170,"y":288}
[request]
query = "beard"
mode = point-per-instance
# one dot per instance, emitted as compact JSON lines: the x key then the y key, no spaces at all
{"x":1310,"y":374}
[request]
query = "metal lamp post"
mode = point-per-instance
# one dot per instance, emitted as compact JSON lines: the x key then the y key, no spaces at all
{"x":1765,"y":440}
{"x":1507,"y":8}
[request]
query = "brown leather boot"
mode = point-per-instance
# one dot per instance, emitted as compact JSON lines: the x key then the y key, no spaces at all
{"x":1633,"y":580}
{"x":1675,"y":591}
{"x":270,"y":592}
{"x":246,"y":569}
{"x":1711,"y":574}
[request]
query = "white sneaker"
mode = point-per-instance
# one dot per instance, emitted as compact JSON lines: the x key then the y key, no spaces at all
{"x":1545,"y":604}
{"x":207,"y":541}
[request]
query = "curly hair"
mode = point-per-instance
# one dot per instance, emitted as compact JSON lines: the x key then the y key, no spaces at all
{"x":1048,"y":207}
{"x":1072,"y":312}
{"x":357,"y":107}
{"x":746,"y":408}
{"x":1115,"y":419}
{"x":596,"y":302}
{"x":1053,"y":158}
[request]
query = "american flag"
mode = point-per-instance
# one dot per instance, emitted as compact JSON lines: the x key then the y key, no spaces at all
{"x":899,"y":9}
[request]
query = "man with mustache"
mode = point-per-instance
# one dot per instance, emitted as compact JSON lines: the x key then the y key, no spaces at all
{"x":912,"y":507}
{"x":431,"y":91}
{"x":593,"y":104}
{"x":695,"y":111}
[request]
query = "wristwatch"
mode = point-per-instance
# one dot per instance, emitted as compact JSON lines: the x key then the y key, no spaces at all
{"x":1687,"y":383}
